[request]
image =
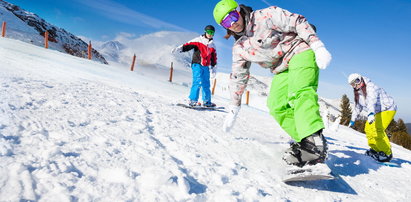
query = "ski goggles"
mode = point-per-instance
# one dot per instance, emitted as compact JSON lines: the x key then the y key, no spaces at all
{"x":355,"y":82}
{"x":231,"y":18}
{"x":210,"y":32}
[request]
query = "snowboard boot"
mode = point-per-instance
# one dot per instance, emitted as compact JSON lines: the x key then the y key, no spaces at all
{"x":370,"y":152}
{"x":193,"y":103}
{"x":378,"y":156}
{"x":310,"y":151}
{"x":209,"y":104}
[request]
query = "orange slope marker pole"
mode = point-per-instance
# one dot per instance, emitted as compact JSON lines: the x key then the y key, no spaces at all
{"x":214,"y":84}
{"x":46,"y":39}
{"x":133,"y":63}
{"x":89,"y":50}
{"x":3,"y":29}
{"x":247,"y":97}
{"x":171,"y":73}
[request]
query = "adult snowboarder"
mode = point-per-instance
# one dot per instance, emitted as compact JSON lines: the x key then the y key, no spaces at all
{"x":380,"y":109}
{"x":204,"y":55}
{"x":286,"y":44}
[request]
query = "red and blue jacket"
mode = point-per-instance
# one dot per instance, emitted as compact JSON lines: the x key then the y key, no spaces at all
{"x":204,"y":51}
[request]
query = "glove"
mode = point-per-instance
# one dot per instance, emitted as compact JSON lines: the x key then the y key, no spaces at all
{"x":351,"y":124}
{"x":213,"y":72}
{"x":371,"y":118}
{"x":230,"y":118}
{"x":177,"y":49}
{"x":322,"y":56}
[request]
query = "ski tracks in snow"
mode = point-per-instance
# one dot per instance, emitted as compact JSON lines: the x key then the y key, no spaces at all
{"x":80,"y":132}
{"x":118,"y":144}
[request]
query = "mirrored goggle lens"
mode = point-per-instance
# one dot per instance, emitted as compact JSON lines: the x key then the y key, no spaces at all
{"x":356,"y":81}
{"x":230,"y":19}
{"x":210,"y":32}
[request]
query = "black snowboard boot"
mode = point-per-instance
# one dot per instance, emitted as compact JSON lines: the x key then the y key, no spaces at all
{"x":378,"y":156}
{"x":310,"y":151}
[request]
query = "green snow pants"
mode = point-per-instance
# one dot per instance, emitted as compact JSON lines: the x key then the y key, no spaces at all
{"x":293,"y":99}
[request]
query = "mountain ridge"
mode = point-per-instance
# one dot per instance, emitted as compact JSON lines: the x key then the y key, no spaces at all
{"x":59,"y":38}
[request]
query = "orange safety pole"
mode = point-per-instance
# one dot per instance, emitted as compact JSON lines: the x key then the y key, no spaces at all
{"x":214,"y":83}
{"x":247,"y":97}
{"x":89,"y":50}
{"x":171,"y":73}
{"x":132,"y":64}
{"x":3,"y":29}
{"x":46,"y":39}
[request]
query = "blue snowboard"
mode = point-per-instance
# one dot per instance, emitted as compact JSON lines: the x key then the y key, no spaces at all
{"x":202,"y":108}
{"x":390,"y":164}
{"x":307,"y":173}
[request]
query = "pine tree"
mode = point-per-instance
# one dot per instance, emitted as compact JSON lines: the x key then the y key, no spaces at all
{"x":401,"y":126}
{"x":399,"y":134}
{"x":401,"y":138}
{"x":360,"y":125}
{"x":392,"y":128}
{"x":346,"y":111}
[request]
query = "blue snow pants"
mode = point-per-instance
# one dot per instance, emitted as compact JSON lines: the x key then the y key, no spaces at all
{"x":201,"y":79}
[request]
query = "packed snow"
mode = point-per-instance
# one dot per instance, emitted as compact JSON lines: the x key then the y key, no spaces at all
{"x":77,"y":130}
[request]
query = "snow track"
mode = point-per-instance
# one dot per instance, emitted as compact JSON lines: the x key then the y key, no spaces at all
{"x":97,"y":137}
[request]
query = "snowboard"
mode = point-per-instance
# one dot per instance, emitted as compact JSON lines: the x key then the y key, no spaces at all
{"x":204,"y":108}
{"x":319,"y":171}
{"x":389,"y":164}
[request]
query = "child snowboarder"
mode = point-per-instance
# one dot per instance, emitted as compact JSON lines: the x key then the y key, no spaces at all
{"x":204,"y":55}
{"x":286,"y":44}
{"x":380,"y":108}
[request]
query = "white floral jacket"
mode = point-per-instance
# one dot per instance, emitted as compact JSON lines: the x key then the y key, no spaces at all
{"x":272,"y":37}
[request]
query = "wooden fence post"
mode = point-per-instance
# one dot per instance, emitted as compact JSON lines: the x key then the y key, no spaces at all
{"x":132,"y":64}
{"x":247,"y":97}
{"x":171,"y":73}
{"x":214,"y":84}
{"x":89,"y":50}
{"x":46,"y":39}
{"x":3,"y":29}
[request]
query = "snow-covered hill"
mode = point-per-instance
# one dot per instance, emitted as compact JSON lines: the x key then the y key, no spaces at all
{"x":26,"y":26}
{"x":76,"y":130}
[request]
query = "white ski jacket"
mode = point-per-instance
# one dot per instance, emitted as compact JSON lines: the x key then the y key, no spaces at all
{"x":271,"y":38}
{"x":377,"y":100}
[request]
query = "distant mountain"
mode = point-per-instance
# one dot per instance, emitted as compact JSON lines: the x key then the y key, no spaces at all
{"x":153,"y":49}
{"x":111,"y":50}
{"x":26,"y":26}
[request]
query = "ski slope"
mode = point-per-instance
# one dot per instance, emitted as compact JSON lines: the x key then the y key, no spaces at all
{"x":76,"y":130}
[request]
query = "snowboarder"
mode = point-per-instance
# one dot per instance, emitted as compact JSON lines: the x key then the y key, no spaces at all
{"x":380,"y":109}
{"x":286,"y":44}
{"x":204,"y":55}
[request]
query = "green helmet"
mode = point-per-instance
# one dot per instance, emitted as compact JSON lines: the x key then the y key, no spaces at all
{"x":222,"y":8}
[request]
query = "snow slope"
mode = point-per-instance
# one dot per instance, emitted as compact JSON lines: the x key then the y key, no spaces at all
{"x":76,"y":130}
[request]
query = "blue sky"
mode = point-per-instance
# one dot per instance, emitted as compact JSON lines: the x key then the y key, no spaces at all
{"x":370,"y":37}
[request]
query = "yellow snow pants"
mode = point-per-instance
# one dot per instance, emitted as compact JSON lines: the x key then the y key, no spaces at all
{"x":375,"y":132}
